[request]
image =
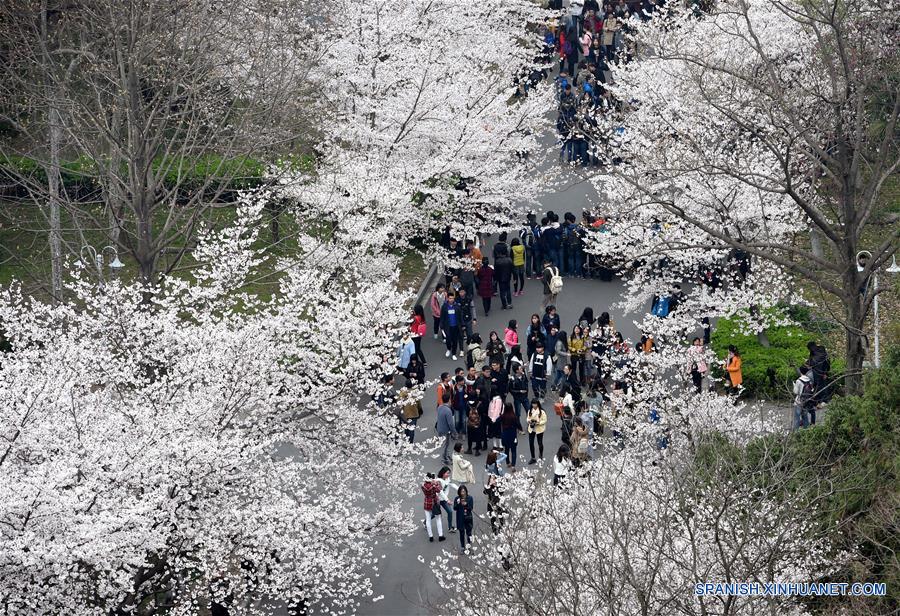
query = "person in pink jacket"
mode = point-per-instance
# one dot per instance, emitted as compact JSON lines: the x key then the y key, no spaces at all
{"x":511,"y":335}
{"x":436,"y":303}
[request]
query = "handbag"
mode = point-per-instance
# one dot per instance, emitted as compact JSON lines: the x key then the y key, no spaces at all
{"x":558,"y":408}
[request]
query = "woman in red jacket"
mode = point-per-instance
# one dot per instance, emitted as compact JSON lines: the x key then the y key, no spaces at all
{"x":418,"y":329}
{"x":486,"y":284}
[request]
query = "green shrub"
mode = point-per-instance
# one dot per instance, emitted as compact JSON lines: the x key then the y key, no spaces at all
{"x":786,"y":353}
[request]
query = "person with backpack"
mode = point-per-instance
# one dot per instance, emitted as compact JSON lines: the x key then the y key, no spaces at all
{"x":553,"y":283}
{"x":804,"y":397}
{"x":540,"y":365}
{"x":474,"y":429}
{"x":573,"y":246}
{"x":552,"y":236}
{"x":528,"y":241}
{"x":518,"y":261}
{"x":486,"y":285}
{"x":503,"y":270}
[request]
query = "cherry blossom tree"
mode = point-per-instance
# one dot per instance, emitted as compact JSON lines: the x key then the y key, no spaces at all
{"x":636,"y":531}
{"x":426,"y":127}
{"x":758,"y":132}
{"x":208,"y":446}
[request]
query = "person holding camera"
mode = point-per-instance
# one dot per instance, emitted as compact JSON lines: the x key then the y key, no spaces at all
{"x":537,"y":423}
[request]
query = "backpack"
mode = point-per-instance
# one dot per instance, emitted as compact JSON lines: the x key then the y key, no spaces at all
{"x":495,"y":408}
{"x":660,"y":307}
{"x":527,"y":237}
{"x":573,"y":236}
{"x":556,"y":281}
{"x":807,"y":393}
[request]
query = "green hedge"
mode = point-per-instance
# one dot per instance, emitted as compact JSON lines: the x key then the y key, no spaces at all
{"x":786,"y":353}
{"x":188,"y":174}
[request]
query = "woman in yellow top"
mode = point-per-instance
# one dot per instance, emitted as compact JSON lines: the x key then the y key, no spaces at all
{"x":518,"y":259}
{"x":733,"y":370}
{"x":578,"y":348}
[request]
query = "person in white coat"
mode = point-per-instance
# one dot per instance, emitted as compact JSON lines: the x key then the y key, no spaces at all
{"x":443,"y":478}
{"x":462,"y":469}
{"x":561,"y":465}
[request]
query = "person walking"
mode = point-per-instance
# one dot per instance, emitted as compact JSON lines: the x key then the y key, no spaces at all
{"x":467,"y":312}
{"x":537,"y":424}
{"x":486,"y":285}
{"x":462,"y":472}
{"x":503,"y":270}
{"x":406,"y":350}
{"x":561,"y":465}
{"x":438,"y":297}
{"x":552,"y":283}
{"x":464,"y":506}
{"x":451,"y":324}
{"x":539,"y":366}
{"x":432,"y":491}
{"x":443,"y":478}
{"x":418,"y":329}
{"x":444,"y":426}
{"x":510,"y":426}
{"x":518,"y":261}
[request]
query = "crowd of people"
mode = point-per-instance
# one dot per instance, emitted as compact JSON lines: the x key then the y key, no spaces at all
{"x":509,"y":383}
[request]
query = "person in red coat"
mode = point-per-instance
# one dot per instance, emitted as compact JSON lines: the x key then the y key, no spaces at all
{"x":485,"y":284}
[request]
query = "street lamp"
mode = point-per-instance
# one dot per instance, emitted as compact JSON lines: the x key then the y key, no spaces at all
{"x":97,"y":259}
{"x":862,"y":259}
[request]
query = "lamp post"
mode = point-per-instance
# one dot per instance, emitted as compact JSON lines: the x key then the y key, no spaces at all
{"x":97,"y":259}
{"x":862,"y":258}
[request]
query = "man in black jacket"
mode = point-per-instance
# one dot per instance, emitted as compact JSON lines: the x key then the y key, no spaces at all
{"x":503,"y":269}
{"x":467,"y":312}
{"x":518,"y":387}
{"x":500,"y":379}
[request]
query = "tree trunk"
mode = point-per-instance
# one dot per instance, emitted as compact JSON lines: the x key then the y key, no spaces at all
{"x":53,"y":187}
{"x":856,"y":344}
